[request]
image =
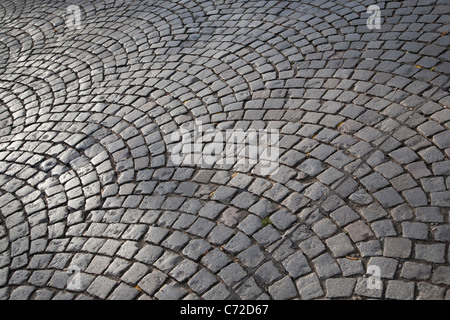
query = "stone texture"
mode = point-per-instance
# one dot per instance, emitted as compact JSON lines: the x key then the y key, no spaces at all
{"x":231,"y":150}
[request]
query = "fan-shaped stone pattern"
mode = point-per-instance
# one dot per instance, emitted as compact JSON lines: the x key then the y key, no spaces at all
{"x":86,"y":122}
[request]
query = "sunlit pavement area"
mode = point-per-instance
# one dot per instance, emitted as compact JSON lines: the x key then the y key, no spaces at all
{"x":92,"y":92}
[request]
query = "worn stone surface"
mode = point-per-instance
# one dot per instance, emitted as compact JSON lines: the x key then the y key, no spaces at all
{"x":137,"y":159}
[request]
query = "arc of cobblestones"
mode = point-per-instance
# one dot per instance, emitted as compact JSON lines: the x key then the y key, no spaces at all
{"x":86,"y":118}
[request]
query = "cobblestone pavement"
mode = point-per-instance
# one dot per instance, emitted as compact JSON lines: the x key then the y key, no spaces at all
{"x":91,"y":208}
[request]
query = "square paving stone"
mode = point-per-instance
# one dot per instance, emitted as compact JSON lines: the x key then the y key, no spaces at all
{"x":231,"y":217}
{"x":350,"y":267}
{"x":441,"y":168}
{"x":387,"y":266}
{"x":400,"y":290}
{"x":433,"y":184}
{"x":332,"y":203}
{"x":397,"y":247}
{"x":383,"y":228}
{"x":277,"y":193}
{"x":374,"y":182}
{"x":218,"y":292}
{"x":344,"y":215}
{"x":266,"y":236}
{"x":240,"y":181}
{"x":415,"y":230}
{"x":167,"y":261}
{"x":183,"y":222}
{"x":415,"y":271}
{"x":136,"y":272}
{"x":403,"y":182}
{"x":175,"y":241}
{"x":243,"y":200}
{"x":294,"y":202}
{"x":211,"y":210}
{"x":283,"y":289}
{"x":415,"y":197}
{"x":359,"y":231}
{"x":429,"y":214}
{"x":220,"y":234}
{"x":252,"y":256}
{"x":250,"y":224}
{"x":430,"y":252}
{"x":339,"y":287}
{"x":442,"y":233}
{"x":366,"y":289}
{"x":404,"y":155}
{"x":312,"y":247}
{"x":149,"y":254}
{"x":326,"y":266}
{"x":124,"y":292}
{"x":312,"y":167}
{"x":196,"y":249}
{"x":282,"y":219}
{"x":369,"y":248}
{"x":296,"y":264}
{"x":39,"y":278}
{"x":238,"y":243}
{"x":429,"y":292}
{"x":152,"y":282}
{"x":324,"y":228}
{"x":232,"y":274}
{"x":259,"y":186}
{"x":340,"y":245}
{"x":339,"y":159}
{"x":224,"y":194}
{"x":267,"y":273}
{"x":309,"y":287}
{"x":184,"y":270}
{"x":215,"y":260}
{"x":202,"y":281}
{"x":441,"y":199}
{"x":101,"y":287}
{"x":98,"y":265}
{"x":249,"y":290}
{"x":316,"y":191}
{"x":441,"y":276}
{"x":171,"y":291}
{"x":388,"y":197}
{"x":201,"y":227}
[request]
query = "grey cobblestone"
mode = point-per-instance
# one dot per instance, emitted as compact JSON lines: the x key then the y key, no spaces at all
{"x":432,"y":252}
{"x":312,"y":247}
{"x":267,"y":273}
{"x":87,"y":176}
{"x":232,"y":274}
{"x":441,"y":276}
{"x":297,"y":265}
{"x":237,"y":243}
{"x":326,"y":266}
{"x":249,"y":290}
{"x":400,"y":290}
{"x":283,"y":289}
{"x":339,"y":287}
{"x":252,"y":256}
{"x":202,"y":281}
{"x":215,"y":260}
{"x":309,"y":287}
{"x":413,"y":270}
{"x":388,"y":266}
{"x":340,"y":245}
{"x":429,"y":292}
{"x":152,"y":282}
{"x":363,"y":289}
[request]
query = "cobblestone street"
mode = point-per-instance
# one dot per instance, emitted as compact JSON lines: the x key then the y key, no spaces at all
{"x":93,"y":94}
